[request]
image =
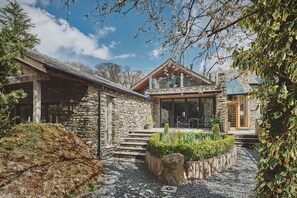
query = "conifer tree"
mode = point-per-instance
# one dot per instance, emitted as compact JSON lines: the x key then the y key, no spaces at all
{"x":15,"y":39}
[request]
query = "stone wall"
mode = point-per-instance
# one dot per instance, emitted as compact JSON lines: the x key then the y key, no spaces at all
{"x":221,"y":101}
{"x":78,"y":110}
{"x":196,"y":169}
{"x":156,"y":112}
{"x":128,"y":112}
{"x":83,"y":119}
{"x":254,"y":112}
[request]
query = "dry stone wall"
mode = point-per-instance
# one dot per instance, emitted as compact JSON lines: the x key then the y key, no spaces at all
{"x":127,"y":112}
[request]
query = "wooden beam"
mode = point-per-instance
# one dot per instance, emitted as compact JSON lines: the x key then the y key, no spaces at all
{"x":181,"y":79}
{"x":185,"y":96}
{"x":36,"y":101}
{"x":150,"y":82}
{"x":26,"y":78}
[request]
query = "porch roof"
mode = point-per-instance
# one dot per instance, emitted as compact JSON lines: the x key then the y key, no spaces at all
{"x":54,"y":64}
{"x":234,"y":87}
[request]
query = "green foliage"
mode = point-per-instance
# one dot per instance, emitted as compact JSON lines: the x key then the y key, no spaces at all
{"x":273,"y":57}
{"x":216,"y":132}
{"x":189,"y":138}
{"x":201,"y":145}
{"x":166,"y":128}
{"x":15,"y":39}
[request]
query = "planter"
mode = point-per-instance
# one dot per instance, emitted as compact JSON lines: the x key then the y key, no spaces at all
{"x":196,"y":169}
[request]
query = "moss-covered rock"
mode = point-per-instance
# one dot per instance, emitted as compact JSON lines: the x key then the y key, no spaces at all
{"x":46,"y":161}
{"x":173,"y":172}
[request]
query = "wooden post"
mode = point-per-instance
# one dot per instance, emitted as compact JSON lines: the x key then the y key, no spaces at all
{"x":150,"y":82}
{"x":36,"y":101}
{"x":181,"y":79}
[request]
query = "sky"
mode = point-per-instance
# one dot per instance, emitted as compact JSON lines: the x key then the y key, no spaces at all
{"x":79,"y":39}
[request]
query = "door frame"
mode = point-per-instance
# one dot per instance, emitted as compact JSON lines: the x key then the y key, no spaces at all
{"x":237,"y":119}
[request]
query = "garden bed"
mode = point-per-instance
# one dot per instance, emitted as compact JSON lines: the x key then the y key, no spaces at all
{"x":204,"y":153}
{"x":196,"y":169}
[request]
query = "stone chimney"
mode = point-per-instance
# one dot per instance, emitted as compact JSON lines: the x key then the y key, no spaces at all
{"x":221,"y":98}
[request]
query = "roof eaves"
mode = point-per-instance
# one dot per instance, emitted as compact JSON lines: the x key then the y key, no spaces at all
{"x":96,"y":80}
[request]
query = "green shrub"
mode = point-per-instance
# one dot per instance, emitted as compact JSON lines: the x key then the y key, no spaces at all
{"x":216,"y":132}
{"x":202,"y":148}
{"x":166,"y":128}
{"x":189,"y":138}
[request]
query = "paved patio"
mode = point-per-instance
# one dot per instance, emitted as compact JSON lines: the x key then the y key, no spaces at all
{"x":126,"y":179}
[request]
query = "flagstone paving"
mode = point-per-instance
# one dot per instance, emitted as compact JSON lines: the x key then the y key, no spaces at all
{"x":127,"y":179}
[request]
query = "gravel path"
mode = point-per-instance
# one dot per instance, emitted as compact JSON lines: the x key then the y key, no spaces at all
{"x":126,"y":179}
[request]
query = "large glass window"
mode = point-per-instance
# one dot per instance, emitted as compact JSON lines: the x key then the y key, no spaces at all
{"x":198,"y":111}
{"x":166,"y":82}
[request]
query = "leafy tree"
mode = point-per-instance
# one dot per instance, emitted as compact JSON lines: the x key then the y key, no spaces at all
{"x":109,"y":71}
{"x":261,"y":35}
{"x":14,"y":41}
{"x":82,"y":66}
{"x":115,"y":73}
{"x":273,"y":57}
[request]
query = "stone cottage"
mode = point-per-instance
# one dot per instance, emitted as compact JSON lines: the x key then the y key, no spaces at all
{"x":184,"y":98}
{"x":102,"y":113}
{"x":97,"y":110}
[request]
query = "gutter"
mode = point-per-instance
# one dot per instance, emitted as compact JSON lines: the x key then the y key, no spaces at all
{"x":99,"y":121}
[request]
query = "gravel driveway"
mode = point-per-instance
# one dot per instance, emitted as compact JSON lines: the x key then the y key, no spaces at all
{"x":126,"y":179}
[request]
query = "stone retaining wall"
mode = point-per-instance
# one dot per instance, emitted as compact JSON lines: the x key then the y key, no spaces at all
{"x":196,"y":169}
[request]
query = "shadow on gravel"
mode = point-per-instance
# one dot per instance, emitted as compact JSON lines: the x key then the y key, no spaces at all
{"x":126,"y":179}
{"x":254,"y":156}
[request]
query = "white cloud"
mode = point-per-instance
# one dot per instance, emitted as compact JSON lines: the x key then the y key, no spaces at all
{"x":57,"y":35}
{"x":102,"y":32}
{"x":156,"y":53}
{"x":130,"y":55}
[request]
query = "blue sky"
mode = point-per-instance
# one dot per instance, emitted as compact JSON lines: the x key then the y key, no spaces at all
{"x":80,"y":40}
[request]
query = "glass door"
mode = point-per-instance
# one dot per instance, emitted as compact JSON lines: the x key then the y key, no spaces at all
{"x":166,"y":114}
{"x":193,"y":112}
{"x":198,"y":111}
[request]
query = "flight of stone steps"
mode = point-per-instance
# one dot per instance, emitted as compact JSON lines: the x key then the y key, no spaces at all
{"x":134,"y":145}
{"x":246,"y":140}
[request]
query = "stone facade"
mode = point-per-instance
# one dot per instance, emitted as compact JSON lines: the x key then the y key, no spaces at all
{"x":254,"y":112}
{"x":78,"y":106}
{"x":156,"y":112}
{"x":221,"y":101}
{"x":83,"y":119}
{"x":126,"y":111}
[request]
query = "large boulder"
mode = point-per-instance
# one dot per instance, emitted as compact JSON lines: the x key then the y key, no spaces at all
{"x":173,"y":172}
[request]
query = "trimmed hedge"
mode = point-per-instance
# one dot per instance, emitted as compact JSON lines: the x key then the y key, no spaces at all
{"x":192,"y":152}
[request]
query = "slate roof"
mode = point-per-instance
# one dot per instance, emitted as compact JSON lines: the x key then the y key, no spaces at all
{"x":240,"y":84}
{"x":54,"y":64}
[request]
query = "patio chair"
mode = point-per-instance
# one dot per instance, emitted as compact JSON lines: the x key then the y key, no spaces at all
{"x":182,"y":122}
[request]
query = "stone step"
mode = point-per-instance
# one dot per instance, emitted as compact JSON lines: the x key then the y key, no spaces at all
{"x":143,"y":144}
{"x":246,"y":140}
{"x":127,"y":148}
{"x":245,"y":136}
{"x":143,"y":131}
{"x":140,"y":135}
{"x":123,"y":154}
{"x":137,"y":139}
{"x":245,"y":144}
